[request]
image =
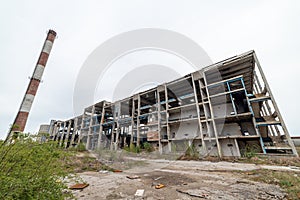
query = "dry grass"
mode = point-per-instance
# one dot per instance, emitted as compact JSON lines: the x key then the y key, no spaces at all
{"x":83,"y":161}
{"x":289,"y":181}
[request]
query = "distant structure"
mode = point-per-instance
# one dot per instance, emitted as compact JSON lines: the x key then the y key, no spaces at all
{"x":21,"y":118}
{"x":296,"y":140}
{"x":44,"y":129}
{"x":225,"y":109}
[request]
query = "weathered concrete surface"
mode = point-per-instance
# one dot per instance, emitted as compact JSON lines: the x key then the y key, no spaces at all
{"x":183,"y":180}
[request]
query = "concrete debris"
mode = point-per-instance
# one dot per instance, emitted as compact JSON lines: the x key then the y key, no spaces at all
{"x":193,"y":193}
{"x":103,"y":171}
{"x":139,"y":193}
{"x":158,"y":178}
{"x":133,"y":177}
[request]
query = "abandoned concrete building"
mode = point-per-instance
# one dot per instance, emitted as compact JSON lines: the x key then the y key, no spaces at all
{"x":224,"y":109}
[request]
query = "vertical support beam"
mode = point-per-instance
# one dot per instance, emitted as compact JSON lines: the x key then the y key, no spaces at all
{"x":132,"y":122}
{"x":81,"y":127}
{"x":125,"y":132}
{"x":213,"y":118}
{"x":112,"y":134}
{"x":231,"y":98}
{"x":101,"y":126}
{"x":89,"y":135}
{"x":75,"y":127}
{"x":237,"y":147}
{"x":198,"y":111}
{"x":158,"y":120}
{"x":118,"y":127}
{"x":54,"y":131}
{"x":167,"y":118}
{"x":68,"y":133}
{"x":204,"y":107}
{"x":138,"y":121}
{"x":276,"y":107}
{"x":62,"y":134}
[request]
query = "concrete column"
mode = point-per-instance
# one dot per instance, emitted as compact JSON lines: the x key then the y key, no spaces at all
{"x":112,"y":136}
{"x":213,"y":120}
{"x":138,"y":121}
{"x":116,"y":144}
{"x":62,"y":134}
{"x":75,"y":126}
{"x":68,"y":133}
{"x":89,"y":135}
{"x":132,"y":121}
{"x":198,"y":111}
{"x":159,"y":121}
{"x":167,"y":119}
{"x":54,"y":132}
{"x":101,"y":127}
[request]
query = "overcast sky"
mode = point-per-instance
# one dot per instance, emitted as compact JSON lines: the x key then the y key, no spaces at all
{"x":222,"y":28}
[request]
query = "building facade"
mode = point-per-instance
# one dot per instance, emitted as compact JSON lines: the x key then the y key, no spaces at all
{"x":224,"y":109}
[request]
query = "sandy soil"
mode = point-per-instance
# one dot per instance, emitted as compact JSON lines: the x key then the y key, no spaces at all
{"x":182,"y":179}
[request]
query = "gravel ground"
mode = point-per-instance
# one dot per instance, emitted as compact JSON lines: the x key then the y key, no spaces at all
{"x":182,"y":180}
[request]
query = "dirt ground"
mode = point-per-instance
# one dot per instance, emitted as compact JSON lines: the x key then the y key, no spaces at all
{"x":183,"y":180}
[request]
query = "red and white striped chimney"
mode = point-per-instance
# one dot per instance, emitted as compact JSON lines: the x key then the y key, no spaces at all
{"x":21,"y":118}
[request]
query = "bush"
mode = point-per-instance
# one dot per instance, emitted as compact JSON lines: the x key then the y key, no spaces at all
{"x":30,"y":170}
{"x":191,"y":152}
{"x":133,"y":148}
{"x":80,"y":147}
{"x":148,"y":147}
{"x":250,"y":151}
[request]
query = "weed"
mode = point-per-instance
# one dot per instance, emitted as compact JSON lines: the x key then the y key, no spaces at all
{"x":31,"y":170}
{"x":80,"y":147}
{"x":250,"y":151}
{"x":289,"y":181}
{"x":148,"y":147}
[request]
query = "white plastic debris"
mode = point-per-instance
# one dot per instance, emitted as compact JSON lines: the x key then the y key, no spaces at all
{"x":139,"y":193}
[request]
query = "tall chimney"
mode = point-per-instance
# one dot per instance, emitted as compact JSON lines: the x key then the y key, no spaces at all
{"x":21,"y":118}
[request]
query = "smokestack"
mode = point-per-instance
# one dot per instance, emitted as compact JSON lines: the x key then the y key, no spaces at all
{"x":21,"y":118}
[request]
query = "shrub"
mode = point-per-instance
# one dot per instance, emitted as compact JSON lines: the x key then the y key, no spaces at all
{"x":250,"y":151}
{"x":148,"y":147}
{"x":80,"y":147}
{"x":133,"y":148}
{"x":30,"y":170}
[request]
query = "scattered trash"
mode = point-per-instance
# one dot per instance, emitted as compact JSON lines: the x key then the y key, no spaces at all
{"x":158,"y":178}
{"x":192,"y":194}
{"x":139,"y":193}
{"x":103,"y":171}
{"x":133,"y":177}
{"x":159,"y":186}
{"x":79,"y":186}
{"x":117,"y":170}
